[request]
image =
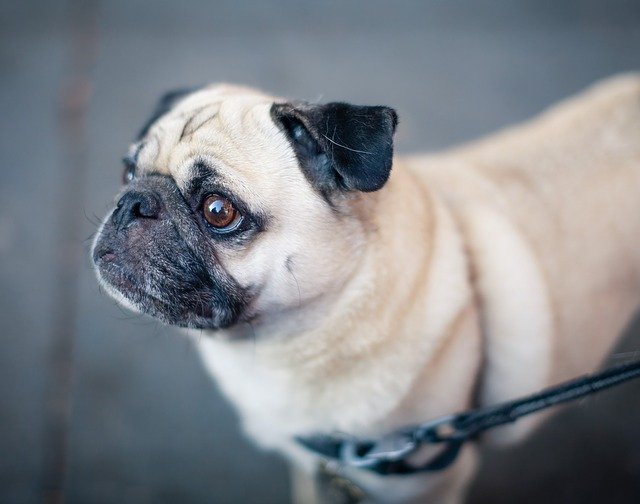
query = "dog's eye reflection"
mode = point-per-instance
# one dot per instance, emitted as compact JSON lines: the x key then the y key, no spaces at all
{"x":129,"y":171}
{"x":220,"y":213}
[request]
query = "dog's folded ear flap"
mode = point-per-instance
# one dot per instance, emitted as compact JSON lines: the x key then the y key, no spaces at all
{"x":340,"y":146}
{"x":166,"y":102}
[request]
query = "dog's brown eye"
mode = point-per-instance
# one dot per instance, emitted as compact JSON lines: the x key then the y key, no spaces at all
{"x":221,"y":213}
{"x":129,"y":171}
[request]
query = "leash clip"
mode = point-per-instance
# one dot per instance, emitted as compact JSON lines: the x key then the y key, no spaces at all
{"x":396,"y":447}
{"x":367,"y":454}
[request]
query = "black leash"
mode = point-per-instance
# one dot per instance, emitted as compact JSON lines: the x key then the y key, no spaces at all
{"x":388,"y":455}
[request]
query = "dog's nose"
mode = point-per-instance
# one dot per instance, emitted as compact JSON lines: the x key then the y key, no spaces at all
{"x":135,"y":205}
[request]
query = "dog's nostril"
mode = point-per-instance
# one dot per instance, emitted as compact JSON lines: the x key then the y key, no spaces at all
{"x":135,"y":205}
{"x":135,"y":209}
{"x":146,"y":208}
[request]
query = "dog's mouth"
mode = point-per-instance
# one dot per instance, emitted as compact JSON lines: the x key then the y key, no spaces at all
{"x":106,"y":256}
{"x":180,"y":305}
{"x":192,"y":308}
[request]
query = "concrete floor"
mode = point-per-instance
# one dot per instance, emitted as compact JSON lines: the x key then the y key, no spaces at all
{"x":145,"y":423}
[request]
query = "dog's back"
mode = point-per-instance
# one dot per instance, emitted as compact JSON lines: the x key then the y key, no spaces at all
{"x":551,"y":210}
{"x":571,"y":181}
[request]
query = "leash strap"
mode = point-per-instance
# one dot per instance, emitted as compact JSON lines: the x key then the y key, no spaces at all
{"x":388,"y":455}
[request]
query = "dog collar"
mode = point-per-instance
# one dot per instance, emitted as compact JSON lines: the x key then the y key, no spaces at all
{"x":390,"y":454}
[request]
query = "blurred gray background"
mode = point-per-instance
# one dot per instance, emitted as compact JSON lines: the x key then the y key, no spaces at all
{"x":100,"y":406}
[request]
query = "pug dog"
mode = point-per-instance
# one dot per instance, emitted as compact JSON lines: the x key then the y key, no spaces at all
{"x":337,"y":288}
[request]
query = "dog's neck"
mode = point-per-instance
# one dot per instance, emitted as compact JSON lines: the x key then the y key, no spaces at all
{"x":391,"y":322}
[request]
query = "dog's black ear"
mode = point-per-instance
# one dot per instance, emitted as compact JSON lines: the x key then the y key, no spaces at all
{"x":166,"y":102}
{"x":340,"y":146}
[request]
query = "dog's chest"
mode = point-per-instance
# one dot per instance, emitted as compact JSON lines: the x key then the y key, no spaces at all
{"x":277,"y":404}
{"x":271,"y":404}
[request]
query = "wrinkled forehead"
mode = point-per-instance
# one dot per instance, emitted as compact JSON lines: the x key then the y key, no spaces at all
{"x":226,"y":128}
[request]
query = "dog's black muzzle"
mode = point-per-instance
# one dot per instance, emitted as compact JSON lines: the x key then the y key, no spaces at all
{"x":154,"y":253}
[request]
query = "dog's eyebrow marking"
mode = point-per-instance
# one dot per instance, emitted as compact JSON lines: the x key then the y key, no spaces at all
{"x":196,"y":121}
{"x":200,"y":174}
{"x":139,"y":148}
{"x":131,"y":159}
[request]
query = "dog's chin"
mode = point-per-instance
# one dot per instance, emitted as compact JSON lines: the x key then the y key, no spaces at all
{"x":121,"y":284}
